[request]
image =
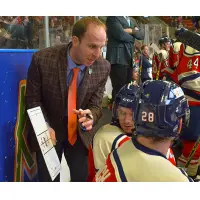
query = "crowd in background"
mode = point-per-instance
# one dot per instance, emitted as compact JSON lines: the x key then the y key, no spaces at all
{"x":27,"y":32}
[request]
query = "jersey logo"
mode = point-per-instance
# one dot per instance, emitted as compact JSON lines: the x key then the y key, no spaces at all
{"x":154,"y":67}
{"x":128,"y":100}
{"x":103,"y":174}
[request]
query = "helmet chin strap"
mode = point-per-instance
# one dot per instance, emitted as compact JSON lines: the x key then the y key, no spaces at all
{"x":180,"y":123}
{"x":133,"y":130}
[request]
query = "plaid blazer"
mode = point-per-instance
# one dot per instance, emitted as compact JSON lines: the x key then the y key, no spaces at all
{"x":47,"y":88}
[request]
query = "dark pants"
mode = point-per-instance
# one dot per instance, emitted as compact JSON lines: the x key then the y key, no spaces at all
{"x":119,"y":75}
{"x":76,"y":157}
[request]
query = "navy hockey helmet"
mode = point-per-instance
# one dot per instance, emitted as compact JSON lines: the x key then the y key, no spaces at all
{"x":161,"y":106}
{"x":195,"y":21}
{"x":164,"y":40}
{"x":127,"y":97}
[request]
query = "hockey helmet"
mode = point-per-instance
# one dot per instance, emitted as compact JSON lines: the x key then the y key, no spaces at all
{"x":127,"y":97}
{"x":164,"y":40}
{"x":161,"y":105}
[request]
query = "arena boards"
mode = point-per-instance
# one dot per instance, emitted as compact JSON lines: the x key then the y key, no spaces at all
{"x":16,"y":161}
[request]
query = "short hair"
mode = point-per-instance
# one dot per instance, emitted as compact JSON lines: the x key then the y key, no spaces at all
{"x":157,"y":139}
{"x":143,"y":46}
{"x":81,"y":26}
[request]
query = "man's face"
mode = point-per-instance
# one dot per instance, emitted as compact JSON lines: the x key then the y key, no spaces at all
{"x":167,"y":46}
{"x":146,"y":50}
{"x":125,"y":116}
{"x":88,"y":49}
{"x":135,"y":75}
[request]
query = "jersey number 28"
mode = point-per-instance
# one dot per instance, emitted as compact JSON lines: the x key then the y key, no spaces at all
{"x":147,"y":117}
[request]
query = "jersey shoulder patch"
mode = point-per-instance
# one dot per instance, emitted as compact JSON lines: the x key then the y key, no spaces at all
{"x":177,"y":46}
{"x":164,"y":53}
{"x":190,"y":50}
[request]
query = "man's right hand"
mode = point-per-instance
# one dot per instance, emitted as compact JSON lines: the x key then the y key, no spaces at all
{"x":131,"y":31}
{"x":128,"y":30}
{"x":52,"y":135}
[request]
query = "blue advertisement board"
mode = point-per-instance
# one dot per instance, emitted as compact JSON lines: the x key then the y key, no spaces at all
{"x":16,"y":161}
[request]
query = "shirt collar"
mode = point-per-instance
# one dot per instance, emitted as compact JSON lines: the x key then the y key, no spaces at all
{"x":72,"y":65}
{"x":146,"y":149}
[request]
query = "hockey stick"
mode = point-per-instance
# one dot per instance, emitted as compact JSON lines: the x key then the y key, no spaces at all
{"x":158,"y":72}
{"x":192,"y":152}
{"x":140,"y":69}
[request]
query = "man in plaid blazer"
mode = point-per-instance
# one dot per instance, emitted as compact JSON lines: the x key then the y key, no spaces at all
{"x":47,"y":87}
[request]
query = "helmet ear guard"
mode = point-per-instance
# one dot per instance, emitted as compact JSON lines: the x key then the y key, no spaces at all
{"x":184,"y":112}
{"x":186,"y":118}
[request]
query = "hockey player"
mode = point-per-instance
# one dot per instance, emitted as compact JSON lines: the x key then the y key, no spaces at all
{"x":188,"y":71}
{"x":118,"y":131}
{"x":159,"y":118}
{"x":173,"y":60}
{"x":160,"y":59}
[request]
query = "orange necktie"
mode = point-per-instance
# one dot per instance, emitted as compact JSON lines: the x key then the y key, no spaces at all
{"x":72,"y":118}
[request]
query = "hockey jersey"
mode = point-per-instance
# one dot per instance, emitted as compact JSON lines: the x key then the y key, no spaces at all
{"x":188,"y":71}
{"x":174,"y":54}
{"x":171,"y":69}
{"x":159,"y":62}
{"x":133,"y":162}
{"x":107,"y":139}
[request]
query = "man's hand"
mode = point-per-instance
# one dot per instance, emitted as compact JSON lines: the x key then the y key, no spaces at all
{"x":131,"y":31}
{"x":52,"y":135}
{"x":136,"y":28}
{"x":85,"y":118}
{"x":128,"y":30}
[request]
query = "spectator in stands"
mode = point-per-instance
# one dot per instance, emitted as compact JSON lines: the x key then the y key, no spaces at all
{"x":180,"y":22}
{"x":174,"y":22}
{"x":135,"y":74}
{"x":145,"y":64}
{"x":16,"y":29}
